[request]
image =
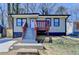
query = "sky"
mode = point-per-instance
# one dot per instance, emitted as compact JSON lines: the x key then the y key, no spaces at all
{"x":70,"y":8}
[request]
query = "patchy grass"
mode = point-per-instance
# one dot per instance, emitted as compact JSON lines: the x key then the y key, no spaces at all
{"x":41,"y":38}
{"x":61,"y":46}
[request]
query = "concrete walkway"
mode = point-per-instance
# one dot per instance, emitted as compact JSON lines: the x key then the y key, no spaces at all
{"x":30,"y":36}
{"x":4,"y":47}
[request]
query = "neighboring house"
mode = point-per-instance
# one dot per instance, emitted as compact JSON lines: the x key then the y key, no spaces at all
{"x":55,"y":24}
{"x":76,"y":27}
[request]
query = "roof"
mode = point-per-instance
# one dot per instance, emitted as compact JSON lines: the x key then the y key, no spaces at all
{"x":55,"y":15}
{"x":41,"y":15}
{"x":25,"y":14}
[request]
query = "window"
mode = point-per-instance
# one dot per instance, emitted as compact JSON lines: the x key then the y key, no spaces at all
{"x":56,"y":22}
{"x":19,"y":22}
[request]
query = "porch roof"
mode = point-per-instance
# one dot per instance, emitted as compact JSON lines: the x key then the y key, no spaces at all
{"x":35,"y":15}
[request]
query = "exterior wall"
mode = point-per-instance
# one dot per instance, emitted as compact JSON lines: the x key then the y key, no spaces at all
{"x":17,"y":32}
{"x":61,"y":30}
{"x":75,"y":30}
{"x":58,"y":31}
{"x":17,"y":28}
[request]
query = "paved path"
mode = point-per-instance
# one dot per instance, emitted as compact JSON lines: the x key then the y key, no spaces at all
{"x":4,"y":47}
{"x":30,"y":36}
{"x":3,"y":40}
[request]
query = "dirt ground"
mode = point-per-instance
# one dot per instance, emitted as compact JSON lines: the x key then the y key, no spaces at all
{"x":61,"y":46}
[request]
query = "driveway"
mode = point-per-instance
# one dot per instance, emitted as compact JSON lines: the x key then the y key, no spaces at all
{"x":5,"y":44}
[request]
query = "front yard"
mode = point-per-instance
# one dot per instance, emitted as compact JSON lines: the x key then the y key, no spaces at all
{"x":61,"y":46}
{"x":58,"y":46}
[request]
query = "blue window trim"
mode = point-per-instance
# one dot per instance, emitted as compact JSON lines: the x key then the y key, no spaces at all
{"x":17,"y":21}
{"x":21,"y":21}
{"x":58,"y":23}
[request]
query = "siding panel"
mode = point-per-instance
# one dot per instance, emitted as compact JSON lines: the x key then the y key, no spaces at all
{"x":61,"y":28}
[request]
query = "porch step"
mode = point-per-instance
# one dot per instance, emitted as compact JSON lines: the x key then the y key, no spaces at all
{"x":27,"y":52}
{"x":28,"y":46}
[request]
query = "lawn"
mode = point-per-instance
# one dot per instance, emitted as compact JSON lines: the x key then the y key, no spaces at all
{"x":61,"y":46}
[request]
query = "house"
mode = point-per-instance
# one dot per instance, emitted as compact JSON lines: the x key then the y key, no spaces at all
{"x":73,"y":27}
{"x":76,"y":27}
{"x":48,"y":24}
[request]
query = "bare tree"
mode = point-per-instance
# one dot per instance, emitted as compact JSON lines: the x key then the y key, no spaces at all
{"x":2,"y":15}
{"x":46,"y":7}
{"x":33,"y":7}
{"x":30,"y":7}
{"x":61,"y":10}
{"x":12,"y":8}
{"x":26,"y":6}
{"x":21,"y":11}
{"x":76,"y":12}
{"x":42,"y":8}
{"x":23,"y":8}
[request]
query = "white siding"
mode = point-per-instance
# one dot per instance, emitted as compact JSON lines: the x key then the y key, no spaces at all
{"x":61,"y":28}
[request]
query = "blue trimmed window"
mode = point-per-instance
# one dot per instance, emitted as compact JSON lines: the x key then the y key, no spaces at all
{"x":56,"y":22}
{"x":19,"y":22}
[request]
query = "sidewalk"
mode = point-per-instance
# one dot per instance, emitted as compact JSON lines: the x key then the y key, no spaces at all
{"x":6,"y":45}
{"x":30,"y":36}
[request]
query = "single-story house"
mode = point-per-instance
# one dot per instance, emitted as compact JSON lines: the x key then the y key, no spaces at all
{"x":55,"y":24}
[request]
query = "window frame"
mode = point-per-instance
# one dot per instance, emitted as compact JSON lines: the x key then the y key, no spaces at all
{"x":56,"y":24}
{"x":21,"y":21}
